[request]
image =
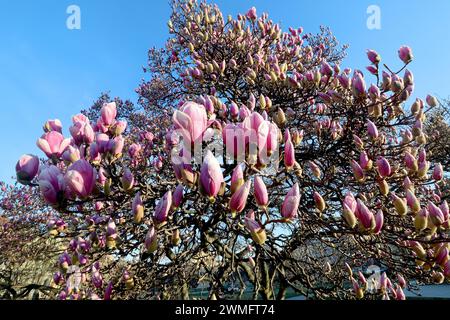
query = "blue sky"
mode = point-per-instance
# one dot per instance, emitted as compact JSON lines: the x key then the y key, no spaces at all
{"x":48,"y":71}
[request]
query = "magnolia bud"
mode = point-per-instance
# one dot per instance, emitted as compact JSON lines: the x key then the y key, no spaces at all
{"x":412,"y":201}
{"x":431,"y":101}
{"x":399,"y":204}
{"x":349,"y":216}
{"x":151,"y":241}
{"x":237,"y":179}
{"x":383,"y":186}
{"x":127,"y":180}
{"x":238,"y":200}
{"x":372,"y":129}
{"x":280,"y":118}
{"x":138,"y":208}
{"x":320,"y":203}
{"x":357,"y":171}
{"x":405,"y":54}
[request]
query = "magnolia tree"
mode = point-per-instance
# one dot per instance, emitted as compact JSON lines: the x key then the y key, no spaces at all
{"x":254,"y":161}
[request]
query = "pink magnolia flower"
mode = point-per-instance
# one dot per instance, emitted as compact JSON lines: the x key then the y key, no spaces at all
{"x":379,"y":220}
{"x":373,"y":56}
{"x":102,"y":142}
{"x":98,"y":205}
{"x":408,"y":185}
{"x":436,"y":215}
{"x":358,"y":142}
{"x":191,"y":119}
{"x":364,"y":214}
{"x":211,"y":176}
{"x":238,"y":200}
{"x":251,"y":13}
{"x":350,"y":201}
{"x":387,"y":80}
{"x":442,"y":255}
{"x":373,"y":70}
{"x":111,"y":229}
{"x":405,"y":54}
{"x":234,"y":110}
{"x":319,"y":201}
{"x":134,"y":150}
{"x":244,"y":112}
{"x":53,"y":125}
{"x":438,"y":172}
{"x":208,"y":104}
{"x":71,"y":154}
{"x":163,"y":207}
{"x":251,"y":103}
{"x":177,"y":198}
{"x":119,"y":127}
{"x":261,"y":195}
{"x":26,"y":168}
{"x":422,"y":155}
{"x":100,"y":126}
{"x":272,"y":138}
{"x":151,"y":240}
{"x":108,"y":113}
{"x":372,"y":129}
{"x":51,"y":184}
{"x":80,"y":178}
{"x":79,"y":118}
{"x":325,"y":69}
{"x":237,"y":178}
{"x":408,"y":78}
{"x":137,"y":207}
{"x":297,"y":136}
{"x":115,"y":146}
{"x":315,"y":170}
{"x":410,"y":161}
{"x":291,"y":203}
{"x":412,"y":201}
{"x":81,"y":130}
{"x":383,"y":167}
{"x":357,"y":170}
{"x":289,"y":154}
{"x":374,"y":92}
{"x":102,"y":176}
{"x":53,"y":144}
{"x":400,"y":295}
{"x":383,"y":281}
{"x":127,"y":179}
{"x":358,"y":85}
{"x":400,"y":204}
{"x":364,"y":160}
{"x":344,"y":81}
{"x":256,"y":230}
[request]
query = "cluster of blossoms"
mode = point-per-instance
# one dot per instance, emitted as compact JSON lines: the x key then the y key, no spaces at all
{"x":308,"y":160}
